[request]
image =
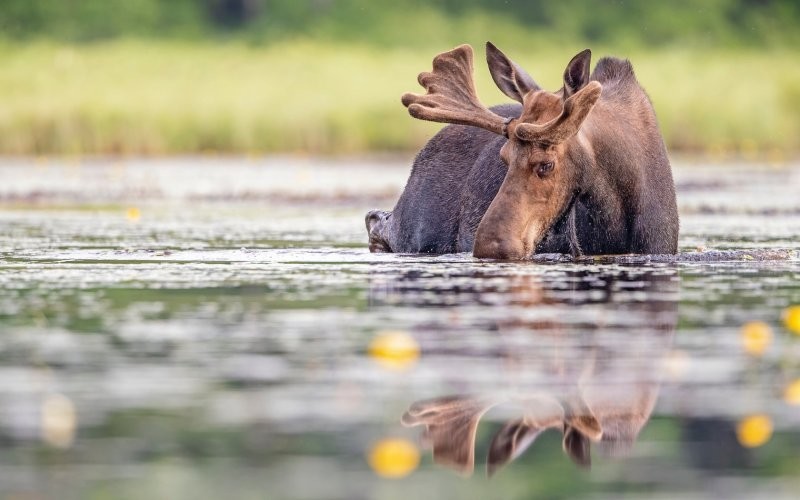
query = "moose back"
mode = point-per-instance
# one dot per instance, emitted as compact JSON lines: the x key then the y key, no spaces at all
{"x":582,"y":170}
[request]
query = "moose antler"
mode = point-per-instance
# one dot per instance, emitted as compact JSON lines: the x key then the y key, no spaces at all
{"x":451,"y":96}
{"x":451,"y":424}
{"x":564,"y":126}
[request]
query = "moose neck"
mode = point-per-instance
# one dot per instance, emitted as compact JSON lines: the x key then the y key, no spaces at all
{"x":610,"y":185}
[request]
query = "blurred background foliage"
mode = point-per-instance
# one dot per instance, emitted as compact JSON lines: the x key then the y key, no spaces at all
{"x":324,"y":76}
{"x":635,"y":22}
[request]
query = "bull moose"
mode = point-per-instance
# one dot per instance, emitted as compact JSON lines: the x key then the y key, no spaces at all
{"x":582,"y":170}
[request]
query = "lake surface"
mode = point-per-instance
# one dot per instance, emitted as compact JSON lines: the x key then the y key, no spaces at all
{"x":216,"y":328}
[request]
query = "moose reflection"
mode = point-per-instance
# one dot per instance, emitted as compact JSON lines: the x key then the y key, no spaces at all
{"x":587,"y":369}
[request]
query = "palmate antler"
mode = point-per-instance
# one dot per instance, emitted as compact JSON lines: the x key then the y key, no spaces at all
{"x":565,"y":125}
{"x":451,"y":96}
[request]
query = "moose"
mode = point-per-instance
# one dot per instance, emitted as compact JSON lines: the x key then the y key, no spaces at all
{"x":581,"y":171}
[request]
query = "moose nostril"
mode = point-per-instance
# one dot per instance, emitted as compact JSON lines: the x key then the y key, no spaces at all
{"x":497,"y":248}
{"x":490,"y":249}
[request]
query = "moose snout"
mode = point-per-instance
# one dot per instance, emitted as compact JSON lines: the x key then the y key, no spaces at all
{"x":499,"y":248}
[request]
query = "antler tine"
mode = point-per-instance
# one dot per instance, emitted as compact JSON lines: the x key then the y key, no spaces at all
{"x":451,"y":96}
{"x":576,"y":107}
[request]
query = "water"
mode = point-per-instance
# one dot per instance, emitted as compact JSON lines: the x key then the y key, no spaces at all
{"x":207,"y":328}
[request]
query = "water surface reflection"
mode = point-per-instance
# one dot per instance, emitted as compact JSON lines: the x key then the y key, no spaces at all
{"x":220,"y":331}
{"x":583,"y":358}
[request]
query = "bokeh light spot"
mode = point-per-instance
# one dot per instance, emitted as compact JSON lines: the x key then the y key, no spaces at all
{"x":753,"y":431}
{"x":133,"y":214}
{"x":393,"y":458}
{"x":395,"y":350}
{"x":791,"y":319}
{"x":676,"y":364}
{"x":792,"y":393}
{"x":58,"y":421}
{"x":756,"y":337}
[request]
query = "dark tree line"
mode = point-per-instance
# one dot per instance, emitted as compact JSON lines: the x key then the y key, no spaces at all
{"x":725,"y":22}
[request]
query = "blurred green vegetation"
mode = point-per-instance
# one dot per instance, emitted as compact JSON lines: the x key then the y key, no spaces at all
{"x":420,"y":23}
{"x":325,"y":76}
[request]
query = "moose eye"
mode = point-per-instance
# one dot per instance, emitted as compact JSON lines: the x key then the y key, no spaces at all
{"x":544,"y":169}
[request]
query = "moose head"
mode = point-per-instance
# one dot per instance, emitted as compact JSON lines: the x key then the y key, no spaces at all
{"x":545,"y":153}
{"x":451,"y":424}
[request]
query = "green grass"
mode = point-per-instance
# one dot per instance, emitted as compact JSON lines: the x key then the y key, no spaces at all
{"x":172,"y":97}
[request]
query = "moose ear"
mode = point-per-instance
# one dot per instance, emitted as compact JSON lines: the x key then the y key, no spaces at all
{"x":567,"y":124}
{"x":577,"y":447}
{"x":577,"y":73}
{"x":510,"y":442}
{"x":587,"y":425}
{"x":508,"y":75}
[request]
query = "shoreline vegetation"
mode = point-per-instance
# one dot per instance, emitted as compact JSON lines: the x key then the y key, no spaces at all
{"x":290,"y":80}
